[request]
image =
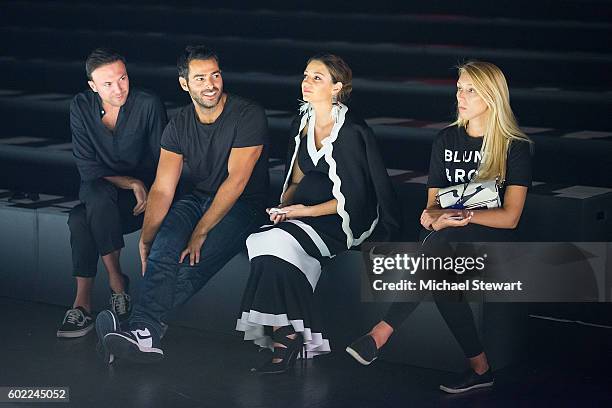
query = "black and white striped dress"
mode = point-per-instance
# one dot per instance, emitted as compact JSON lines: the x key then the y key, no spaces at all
{"x":287,"y":258}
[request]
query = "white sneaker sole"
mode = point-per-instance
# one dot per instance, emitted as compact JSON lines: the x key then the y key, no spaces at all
{"x":124,"y":347}
{"x":460,"y":390}
{"x":357,"y":357}
{"x":75,"y":333}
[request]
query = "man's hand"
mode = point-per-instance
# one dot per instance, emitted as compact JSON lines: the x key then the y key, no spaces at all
{"x":144,"y":250}
{"x":193,"y":248}
{"x":140,"y":192}
{"x":137,"y":186}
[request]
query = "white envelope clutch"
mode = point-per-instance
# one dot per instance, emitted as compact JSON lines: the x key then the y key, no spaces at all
{"x":471,"y":195}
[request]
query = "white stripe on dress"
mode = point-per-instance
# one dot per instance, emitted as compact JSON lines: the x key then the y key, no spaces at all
{"x":281,"y":244}
{"x":316,"y":238}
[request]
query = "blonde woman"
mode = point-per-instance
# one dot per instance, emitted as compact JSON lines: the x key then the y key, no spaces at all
{"x":484,"y":143}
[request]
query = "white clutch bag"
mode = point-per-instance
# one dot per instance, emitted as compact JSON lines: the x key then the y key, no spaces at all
{"x":471,"y":195}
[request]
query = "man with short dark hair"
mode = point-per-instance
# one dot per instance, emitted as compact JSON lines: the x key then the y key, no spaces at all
{"x":116,"y":133}
{"x":222,"y":139}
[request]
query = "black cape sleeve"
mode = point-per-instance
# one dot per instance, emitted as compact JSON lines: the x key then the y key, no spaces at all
{"x":365,"y":185}
{"x":367,"y":203}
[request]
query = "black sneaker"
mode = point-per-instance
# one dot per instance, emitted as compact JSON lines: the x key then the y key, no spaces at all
{"x":140,"y":346}
{"x":469,"y":380}
{"x":77,"y":323}
{"x":363,"y":350}
{"x":106,"y":322}
{"x":120,"y":303}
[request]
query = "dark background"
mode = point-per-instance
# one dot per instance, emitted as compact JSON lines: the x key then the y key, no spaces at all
{"x":557,"y":58}
{"x":555,"y":54}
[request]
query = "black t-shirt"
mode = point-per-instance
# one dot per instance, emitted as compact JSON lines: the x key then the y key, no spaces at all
{"x":455,"y":157}
{"x":206,"y":147}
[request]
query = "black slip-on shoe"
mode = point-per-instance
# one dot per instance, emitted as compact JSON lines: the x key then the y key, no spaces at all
{"x":363,"y":350}
{"x":467,"y":381}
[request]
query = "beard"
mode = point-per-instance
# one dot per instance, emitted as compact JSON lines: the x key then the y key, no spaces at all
{"x":205,"y":103}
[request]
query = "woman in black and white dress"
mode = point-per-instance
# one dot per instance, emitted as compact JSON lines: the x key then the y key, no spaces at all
{"x":336,"y":193}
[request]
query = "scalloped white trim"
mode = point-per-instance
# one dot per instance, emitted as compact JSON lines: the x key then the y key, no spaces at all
{"x":339,"y":112}
{"x":252,"y":324}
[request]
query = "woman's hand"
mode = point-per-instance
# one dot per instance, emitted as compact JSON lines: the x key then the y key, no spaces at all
{"x":452,"y":219}
{"x":289,"y":212}
{"x":297,"y":211}
{"x":275,"y":216}
{"x":428,"y":217}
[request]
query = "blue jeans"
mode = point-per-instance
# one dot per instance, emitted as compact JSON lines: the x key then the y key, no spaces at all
{"x":168,"y":284}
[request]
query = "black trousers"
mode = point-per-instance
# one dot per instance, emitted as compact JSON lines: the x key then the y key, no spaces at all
{"x":454,"y":309}
{"x":98,"y":224}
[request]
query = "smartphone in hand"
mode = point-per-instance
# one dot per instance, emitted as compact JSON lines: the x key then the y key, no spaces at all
{"x":275,"y":210}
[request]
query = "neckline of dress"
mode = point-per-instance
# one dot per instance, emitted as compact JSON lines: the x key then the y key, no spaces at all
{"x":326,"y":143}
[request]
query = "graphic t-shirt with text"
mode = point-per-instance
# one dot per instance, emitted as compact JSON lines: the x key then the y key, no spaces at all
{"x":455,"y":157}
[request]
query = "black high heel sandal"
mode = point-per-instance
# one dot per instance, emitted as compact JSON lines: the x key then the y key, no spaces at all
{"x":287,"y":354}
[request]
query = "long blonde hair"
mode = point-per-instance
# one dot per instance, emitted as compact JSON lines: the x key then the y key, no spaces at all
{"x":501,"y":126}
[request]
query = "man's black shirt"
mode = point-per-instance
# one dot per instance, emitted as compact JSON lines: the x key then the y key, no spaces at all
{"x":131,"y":149}
{"x":206,"y":147}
